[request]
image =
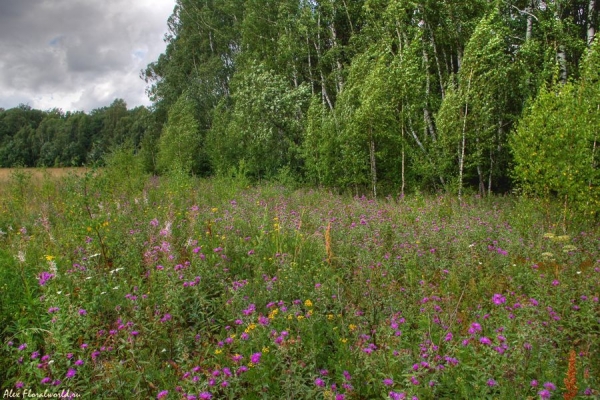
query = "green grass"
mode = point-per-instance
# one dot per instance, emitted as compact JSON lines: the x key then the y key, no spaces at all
{"x":201,"y":287}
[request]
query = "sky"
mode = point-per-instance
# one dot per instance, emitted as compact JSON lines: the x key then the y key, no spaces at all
{"x":78,"y":55}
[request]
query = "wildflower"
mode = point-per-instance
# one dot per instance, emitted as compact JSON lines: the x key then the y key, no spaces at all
{"x":23,"y":347}
{"x":491,"y":383}
{"x":498,"y":299}
{"x":45,"y":380}
{"x":19,"y":385}
{"x":82,"y":312}
{"x":237,"y":358}
{"x":485,"y":340}
{"x":544,"y":394}
{"x":340,"y":396}
{"x":255,"y":358}
{"x":205,"y":396}
{"x":549,"y":386}
{"x":388,"y":382}
{"x":70,"y":373}
{"x":308,"y":303}
{"x":44,"y":277}
{"x":397,"y":396}
{"x":162,"y":394}
{"x":475,"y":327}
{"x":555,"y":282}
{"x":319,"y":382}
{"x":448,"y":337}
{"x":35,"y":355}
{"x":79,"y":362}
{"x":414,"y":380}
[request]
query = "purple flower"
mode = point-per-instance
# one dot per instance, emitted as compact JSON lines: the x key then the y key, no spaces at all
{"x":555,"y":282}
{"x":35,"y":355}
{"x":162,"y":394}
{"x":205,"y":396}
{"x":498,"y":299}
{"x":44,"y":277}
{"x":534,"y":383}
{"x":485,"y":340}
{"x":82,"y":312}
{"x":448,"y":337}
{"x":319,"y":382}
{"x":388,"y":382}
{"x":544,"y":394}
{"x":237,"y":358}
{"x":475,"y":327}
{"x":549,"y":386}
{"x":255,"y":358}
{"x":397,"y":396}
{"x":79,"y":362}
{"x":70,"y":373}
{"x":340,"y":396}
{"x":19,"y":385}
{"x":45,"y":381}
{"x":491,"y":383}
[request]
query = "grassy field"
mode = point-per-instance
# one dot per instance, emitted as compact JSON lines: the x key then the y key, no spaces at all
{"x":39,"y":174}
{"x":123,"y":286}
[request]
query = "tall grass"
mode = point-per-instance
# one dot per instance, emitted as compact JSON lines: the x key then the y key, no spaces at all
{"x":117,"y":285}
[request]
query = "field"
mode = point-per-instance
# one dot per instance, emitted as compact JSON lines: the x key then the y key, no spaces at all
{"x":116,"y":285}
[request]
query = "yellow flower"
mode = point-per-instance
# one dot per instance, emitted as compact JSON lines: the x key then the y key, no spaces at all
{"x":343,"y":340}
{"x":330,"y":317}
{"x":308,"y":303}
{"x":300,"y":317}
{"x":49,"y":257}
{"x":310,"y":312}
{"x":265,"y":349}
{"x":218,"y":351}
{"x":289,"y":316}
{"x":214,"y":209}
{"x":89,"y":228}
{"x":273,"y":313}
{"x":352,"y":327}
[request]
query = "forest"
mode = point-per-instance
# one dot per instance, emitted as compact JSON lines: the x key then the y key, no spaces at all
{"x":364,"y":96}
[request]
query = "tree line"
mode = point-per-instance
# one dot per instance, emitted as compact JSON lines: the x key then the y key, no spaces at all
{"x":381,"y":96}
{"x":53,"y":138}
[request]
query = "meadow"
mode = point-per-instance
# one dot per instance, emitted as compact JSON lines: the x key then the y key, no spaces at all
{"x":118,"y":285}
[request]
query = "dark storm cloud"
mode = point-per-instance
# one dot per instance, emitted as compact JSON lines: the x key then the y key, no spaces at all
{"x":78,"y":54}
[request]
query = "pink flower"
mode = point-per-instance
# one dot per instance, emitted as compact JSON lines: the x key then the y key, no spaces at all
{"x":162,"y":394}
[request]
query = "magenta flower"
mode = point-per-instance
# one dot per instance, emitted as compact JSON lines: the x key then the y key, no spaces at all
{"x":162,"y":394}
{"x":19,"y":385}
{"x":491,"y":383}
{"x":498,"y":299}
{"x":475,"y":327}
{"x":485,"y":340}
{"x":79,"y":362}
{"x":544,"y":394}
{"x":319,"y":382}
{"x":205,"y":396}
{"x":388,"y":382}
{"x":82,"y":312}
{"x":397,"y":396}
{"x":448,"y":337}
{"x":255,"y":358}
{"x":44,"y":277}
{"x":70,"y":373}
{"x":549,"y":386}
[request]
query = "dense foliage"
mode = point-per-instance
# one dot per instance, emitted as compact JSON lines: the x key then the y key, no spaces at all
{"x":371,"y":96}
{"x":171,"y":287}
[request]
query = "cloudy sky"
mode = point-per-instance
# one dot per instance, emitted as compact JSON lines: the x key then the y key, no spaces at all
{"x":78,"y":54}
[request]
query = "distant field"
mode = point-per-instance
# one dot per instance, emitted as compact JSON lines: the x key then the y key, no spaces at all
{"x":40,"y":173}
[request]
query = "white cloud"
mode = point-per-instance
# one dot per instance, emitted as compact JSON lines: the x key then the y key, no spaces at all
{"x":78,"y":54}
